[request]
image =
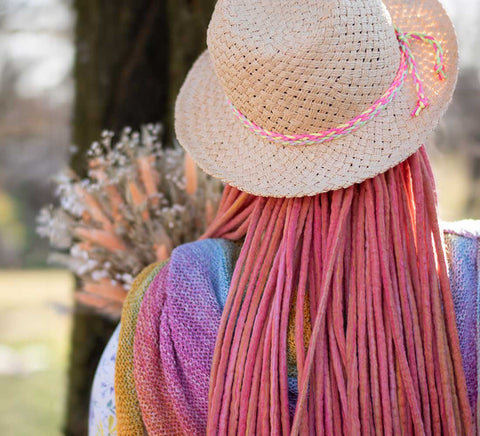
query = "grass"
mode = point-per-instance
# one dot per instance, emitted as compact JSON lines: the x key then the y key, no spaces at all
{"x":35,"y":322}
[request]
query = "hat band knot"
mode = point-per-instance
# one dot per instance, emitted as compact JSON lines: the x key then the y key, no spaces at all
{"x":407,"y":65}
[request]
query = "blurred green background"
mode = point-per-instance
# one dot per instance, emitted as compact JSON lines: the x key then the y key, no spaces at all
{"x":36,"y":55}
{"x":36,"y":100}
{"x":35,"y":309}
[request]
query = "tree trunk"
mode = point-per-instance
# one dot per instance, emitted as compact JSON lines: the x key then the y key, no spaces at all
{"x":121,"y":75}
{"x":131,"y":58}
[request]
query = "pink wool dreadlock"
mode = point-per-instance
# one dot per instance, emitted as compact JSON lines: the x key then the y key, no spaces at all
{"x":360,"y":273}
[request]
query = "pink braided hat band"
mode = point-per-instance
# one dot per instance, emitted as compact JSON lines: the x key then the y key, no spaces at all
{"x":407,"y":65}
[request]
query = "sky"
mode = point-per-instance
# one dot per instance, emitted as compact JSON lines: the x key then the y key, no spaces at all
{"x":465,"y":15}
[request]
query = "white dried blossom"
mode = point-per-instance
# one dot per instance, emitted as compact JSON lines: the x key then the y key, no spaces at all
{"x":111,"y":225}
{"x":99,"y":274}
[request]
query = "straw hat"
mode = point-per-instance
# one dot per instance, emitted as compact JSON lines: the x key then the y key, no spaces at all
{"x":299,"y":67}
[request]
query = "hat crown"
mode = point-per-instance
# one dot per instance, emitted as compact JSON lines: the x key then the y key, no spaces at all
{"x":302,"y":66}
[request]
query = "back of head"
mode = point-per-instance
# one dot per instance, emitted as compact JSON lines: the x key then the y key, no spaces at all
{"x":357,"y":276}
{"x":339,"y":318}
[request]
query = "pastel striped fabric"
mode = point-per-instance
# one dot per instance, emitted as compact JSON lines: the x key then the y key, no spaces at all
{"x":180,"y":314}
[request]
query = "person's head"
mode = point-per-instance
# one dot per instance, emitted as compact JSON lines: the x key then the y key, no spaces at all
{"x":341,"y":284}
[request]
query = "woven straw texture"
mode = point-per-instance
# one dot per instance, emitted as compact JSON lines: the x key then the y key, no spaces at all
{"x":302,"y":67}
{"x":129,"y":416}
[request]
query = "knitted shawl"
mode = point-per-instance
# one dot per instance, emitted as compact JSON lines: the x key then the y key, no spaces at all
{"x":169,"y":341}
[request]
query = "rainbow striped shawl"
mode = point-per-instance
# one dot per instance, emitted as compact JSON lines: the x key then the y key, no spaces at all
{"x":176,"y":327}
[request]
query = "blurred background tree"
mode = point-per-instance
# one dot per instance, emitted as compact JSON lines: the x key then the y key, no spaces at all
{"x":131,"y":59}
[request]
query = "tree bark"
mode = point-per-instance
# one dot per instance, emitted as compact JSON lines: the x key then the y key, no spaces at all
{"x":131,"y":59}
{"x":121,"y":67}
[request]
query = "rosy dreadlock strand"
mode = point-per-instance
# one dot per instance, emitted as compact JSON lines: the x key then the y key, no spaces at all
{"x":236,"y":364}
{"x":425,"y":304}
{"x":335,"y":373}
{"x":258,"y":338}
{"x":329,"y":425}
{"x":392,"y":379}
{"x":376,"y":316}
{"x":407,"y":214}
{"x":252,"y":403}
{"x":336,"y":329}
{"x":397,"y":272}
{"x":353,"y":407}
{"x":450,"y":407}
{"x":378,"y":312}
{"x":281,"y":314}
{"x":359,"y":253}
{"x":408,"y":305}
{"x":412,"y":347}
{"x":337,"y":302}
{"x":398,"y":269}
{"x":239,"y":220}
{"x":218,"y":364}
{"x":262,"y":314}
{"x":259,"y":221}
{"x":338,"y":385}
{"x":228,"y":197}
{"x":317,"y":406}
{"x":248,"y":341}
{"x":346,"y":198}
{"x":238,"y":203}
{"x":237,"y":234}
{"x":397,"y":331}
{"x":247,"y":273}
{"x":447,"y":300}
{"x":372,"y":283}
{"x":283,"y":290}
{"x":316,"y":394}
{"x":265,"y":400}
{"x":449,"y":410}
{"x":300,"y":302}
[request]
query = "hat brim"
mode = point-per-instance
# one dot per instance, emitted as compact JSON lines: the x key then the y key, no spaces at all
{"x":224,"y":148}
